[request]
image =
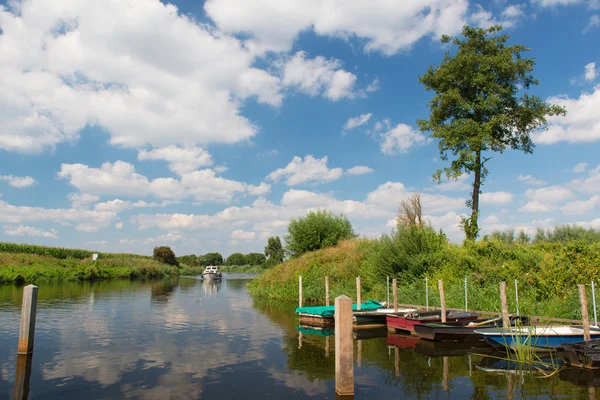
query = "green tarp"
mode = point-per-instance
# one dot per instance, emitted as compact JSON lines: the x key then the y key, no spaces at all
{"x":319,"y":332}
{"x":329,"y":311}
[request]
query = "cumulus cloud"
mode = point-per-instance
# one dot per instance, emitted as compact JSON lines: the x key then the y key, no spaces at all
{"x":581,"y":207}
{"x":357,"y":121}
{"x":556,"y":3}
{"x":23,"y":230}
{"x":593,"y":22}
{"x":359,"y":170}
{"x":181,"y":159}
{"x":484,"y":18}
{"x":496,"y":198}
{"x":581,"y":124}
{"x":309,"y":170}
{"x":591,"y":72}
{"x":383,"y":26}
{"x":545,"y":199}
{"x":318,"y":76}
{"x":530,"y":180}
{"x":459,"y":184}
{"x":18,"y":181}
{"x":580,"y":167}
{"x":400,"y":139}
{"x":589,"y":184}
{"x":242,"y":235}
{"x":121,"y":179}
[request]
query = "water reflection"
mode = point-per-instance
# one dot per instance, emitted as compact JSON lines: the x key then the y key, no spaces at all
{"x":210,"y":287}
{"x":185,"y":338}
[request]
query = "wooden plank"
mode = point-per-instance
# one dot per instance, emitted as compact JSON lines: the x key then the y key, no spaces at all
{"x":344,"y":347}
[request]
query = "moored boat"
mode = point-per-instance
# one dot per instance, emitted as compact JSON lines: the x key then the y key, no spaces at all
{"x":407,"y":322}
{"x":463,"y":330}
{"x":323,"y":316}
{"x":376,"y":318}
{"x":211,"y":272}
{"x":540,"y":338}
{"x":583,"y":355}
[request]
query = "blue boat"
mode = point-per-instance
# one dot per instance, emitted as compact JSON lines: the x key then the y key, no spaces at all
{"x":540,"y":338}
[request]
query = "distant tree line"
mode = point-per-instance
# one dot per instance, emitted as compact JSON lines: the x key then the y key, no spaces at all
{"x":559,"y":234}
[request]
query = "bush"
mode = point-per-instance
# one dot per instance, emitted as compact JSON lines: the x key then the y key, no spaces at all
{"x":255,"y":259}
{"x":190,"y":260}
{"x":211,"y":259}
{"x":274,"y":251}
{"x":236,"y":259}
{"x":165,"y":255}
{"x":317,"y":230}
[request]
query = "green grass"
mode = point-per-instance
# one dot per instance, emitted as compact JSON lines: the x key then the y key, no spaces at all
{"x":547,"y":273}
{"x":23,"y":264}
{"x":248,"y":269}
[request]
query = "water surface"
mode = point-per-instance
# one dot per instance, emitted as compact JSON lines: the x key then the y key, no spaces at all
{"x":188,"y":339}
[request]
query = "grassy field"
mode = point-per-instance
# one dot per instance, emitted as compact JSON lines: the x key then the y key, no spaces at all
{"x":24,"y":264}
{"x":547,"y":273}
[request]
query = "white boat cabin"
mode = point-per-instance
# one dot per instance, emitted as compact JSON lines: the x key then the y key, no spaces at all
{"x":211,"y":269}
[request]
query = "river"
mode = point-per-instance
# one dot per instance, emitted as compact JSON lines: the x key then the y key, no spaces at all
{"x":186,"y":339}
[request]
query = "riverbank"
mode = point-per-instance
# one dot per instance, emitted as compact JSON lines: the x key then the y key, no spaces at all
{"x":24,"y":264}
{"x":546,"y":273}
{"x":246,"y":269}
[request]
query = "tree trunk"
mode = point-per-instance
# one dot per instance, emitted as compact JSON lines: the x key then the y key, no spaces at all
{"x":473,"y":229}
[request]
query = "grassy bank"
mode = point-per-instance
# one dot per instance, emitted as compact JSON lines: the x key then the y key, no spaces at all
{"x":24,"y":264}
{"x":248,"y":269}
{"x":547,"y":273}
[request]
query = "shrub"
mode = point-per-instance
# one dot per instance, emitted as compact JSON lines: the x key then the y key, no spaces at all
{"x":317,"y":230}
{"x":165,"y":255}
{"x":190,"y":260}
{"x":211,"y":259}
{"x":274,"y":251}
{"x":236,"y":259}
{"x":255,"y":259}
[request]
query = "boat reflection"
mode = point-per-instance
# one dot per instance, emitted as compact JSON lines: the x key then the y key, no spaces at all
{"x":452,"y":349}
{"x":211,"y":287}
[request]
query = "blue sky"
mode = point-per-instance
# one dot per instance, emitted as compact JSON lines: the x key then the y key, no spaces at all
{"x":125,"y":125}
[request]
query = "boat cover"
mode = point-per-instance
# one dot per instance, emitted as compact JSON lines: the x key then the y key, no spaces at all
{"x":329,"y":311}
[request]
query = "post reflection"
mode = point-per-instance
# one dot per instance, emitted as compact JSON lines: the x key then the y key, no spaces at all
{"x":23,"y":374}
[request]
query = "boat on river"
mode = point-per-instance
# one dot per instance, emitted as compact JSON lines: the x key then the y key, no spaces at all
{"x":376,"y":319}
{"x":323,"y":316}
{"x":540,"y":338}
{"x":407,"y":322}
{"x":211,"y":272}
{"x":463,"y":330}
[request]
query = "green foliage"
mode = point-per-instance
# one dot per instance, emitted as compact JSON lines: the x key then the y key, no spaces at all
{"x":190,"y":260}
{"x":317,"y":230}
{"x":56,"y":252}
{"x":274,"y":251}
{"x":477,"y":109}
{"x":247,"y":269}
{"x":255,"y":258}
{"x":165,"y":255}
{"x":211,"y":259}
{"x":568,"y":233}
{"x":236,"y":259}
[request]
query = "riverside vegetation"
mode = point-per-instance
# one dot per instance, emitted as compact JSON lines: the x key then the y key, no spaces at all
{"x":547,"y":268}
{"x":20,"y":263}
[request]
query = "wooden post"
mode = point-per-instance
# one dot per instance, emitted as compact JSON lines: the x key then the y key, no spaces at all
{"x":504,"y":301}
{"x":358,"y":293}
{"x":359,"y":350}
{"x":344,"y":347}
{"x":299,"y":340}
{"x":395,"y":291}
{"x":442,"y":299}
{"x":446,"y":369}
{"x":584,"y":312}
{"x":326,"y":346}
{"x":397,"y":361}
{"x":327,"y":291}
{"x":300,"y":291}
{"x":28,"y":312}
{"x":23,"y":373}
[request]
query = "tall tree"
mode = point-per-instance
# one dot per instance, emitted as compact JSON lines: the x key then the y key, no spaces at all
{"x":481,"y":106}
{"x":274,"y":250}
{"x":410,"y":212}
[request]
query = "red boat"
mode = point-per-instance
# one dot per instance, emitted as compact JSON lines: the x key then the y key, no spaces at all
{"x":402,"y":341}
{"x":407,"y":322}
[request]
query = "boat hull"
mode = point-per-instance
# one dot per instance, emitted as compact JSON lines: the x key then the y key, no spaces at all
{"x":211,"y":276}
{"x":453,"y":331}
{"x":369,"y":320}
{"x":409,"y":322}
{"x":539,"y":338}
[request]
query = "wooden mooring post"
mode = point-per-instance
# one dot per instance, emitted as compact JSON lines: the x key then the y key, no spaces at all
{"x":395,"y":291}
{"x":442,"y":299}
{"x":300,"y":291}
{"x":358,"y":293}
{"x":28,"y":312}
{"x":327,"y":291}
{"x":344,"y":347}
{"x":584,"y":312}
{"x":504,"y":301}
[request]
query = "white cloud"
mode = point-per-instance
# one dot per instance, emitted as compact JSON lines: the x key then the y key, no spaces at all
{"x":545,"y":199}
{"x":82,"y":200}
{"x":530,"y":180}
{"x":318,"y":76}
{"x":355,"y":122}
{"x":309,"y":170}
{"x":590,"y":72}
{"x":170,"y":237}
{"x":119,"y":225}
{"x":85,"y":220}
{"x":400,"y":139}
{"x":109,"y":66}
{"x":580,"y":167}
{"x":459,"y":184}
{"x":181,"y":160}
{"x":496,"y":198}
{"x":383,"y":26}
{"x":589,"y":184}
{"x":581,"y":207}
{"x":555,"y":3}
{"x":485,"y":19}
{"x":536,"y":206}
{"x":359,"y":170}
{"x":594,"y":224}
{"x":593,"y":22}
{"x":18,"y":181}
{"x":242,"y":235}
{"x":581,"y":124}
{"x":121,"y":179}
{"x":513,"y":11}
{"x":23,"y":230}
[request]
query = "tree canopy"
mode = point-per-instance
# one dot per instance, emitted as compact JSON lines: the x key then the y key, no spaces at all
{"x":236,"y":259}
{"x":481,"y":105}
{"x":255,"y":258}
{"x":317,"y":230}
{"x":274,"y":251}
{"x":211,"y":259}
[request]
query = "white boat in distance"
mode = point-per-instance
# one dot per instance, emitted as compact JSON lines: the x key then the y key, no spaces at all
{"x":212,"y":273}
